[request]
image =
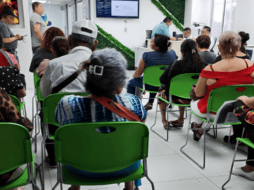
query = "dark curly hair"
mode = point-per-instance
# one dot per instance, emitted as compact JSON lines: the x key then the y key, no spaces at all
{"x":244,"y":38}
{"x":49,"y":35}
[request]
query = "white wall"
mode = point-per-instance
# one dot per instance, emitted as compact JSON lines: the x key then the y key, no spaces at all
{"x":135,"y":35}
{"x":25,"y":49}
{"x":197,"y":11}
{"x":244,"y":18}
{"x":53,"y":11}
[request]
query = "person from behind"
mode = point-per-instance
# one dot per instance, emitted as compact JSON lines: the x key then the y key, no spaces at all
{"x":163,"y":28}
{"x":191,"y":62}
{"x":160,"y":56}
{"x":59,"y":48}
{"x":10,"y":41}
{"x":107,"y":81}
{"x":9,"y":113}
{"x":37,"y":25}
{"x":207,"y":31}
{"x":229,"y":71}
{"x":244,"y":111}
{"x":45,"y":51}
{"x":84,"y":42}
{"x":186,"y":34}
{"x":203,"y":43}
{"x":241,"y":53}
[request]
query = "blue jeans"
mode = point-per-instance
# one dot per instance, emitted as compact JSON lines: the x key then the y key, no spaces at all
{"x":121,"y":173}
{"x":138,"y":82}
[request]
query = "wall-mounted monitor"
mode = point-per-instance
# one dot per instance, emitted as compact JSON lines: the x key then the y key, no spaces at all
{"x":117,"y":8}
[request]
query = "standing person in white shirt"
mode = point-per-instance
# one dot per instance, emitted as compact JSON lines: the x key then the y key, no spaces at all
{"x":84,"y":42}
{"x":38,"y":27}
{"x":206,"y":31}
{"x":186,"y":34}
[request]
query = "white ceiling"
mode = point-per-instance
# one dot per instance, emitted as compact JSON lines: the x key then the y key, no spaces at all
{"x":54,"y":1}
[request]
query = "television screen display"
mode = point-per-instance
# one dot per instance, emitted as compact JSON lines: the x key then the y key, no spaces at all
{"x":117,"y":8}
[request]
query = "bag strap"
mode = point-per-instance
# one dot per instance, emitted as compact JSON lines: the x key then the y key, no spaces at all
{"x":7,"y":57}
{"x":65,"y":83}
{"x":117,"y":109}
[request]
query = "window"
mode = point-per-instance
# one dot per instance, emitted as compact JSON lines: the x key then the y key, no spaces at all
{"x":222,"y":16}
{"x":86,"y":9}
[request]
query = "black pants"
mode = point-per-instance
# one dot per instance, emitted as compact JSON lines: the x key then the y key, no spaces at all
{"x":249,"y":129}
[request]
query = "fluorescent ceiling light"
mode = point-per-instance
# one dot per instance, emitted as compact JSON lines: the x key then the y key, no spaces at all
{"x":39,"y":1}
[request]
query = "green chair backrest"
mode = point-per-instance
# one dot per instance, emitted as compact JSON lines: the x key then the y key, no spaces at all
{"x":152,"y":75}
{"x":36,"y":78}
{"x":226,"y":93}
{"x":51,"y":102}
{"x":82,"y":146}
{"x":15,"y":146}
{"x":38,"y":91}
{"x":16,"y":102}
{"x":180,"y":85}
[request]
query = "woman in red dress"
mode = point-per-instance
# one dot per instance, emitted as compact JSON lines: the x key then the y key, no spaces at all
{"x":229,"y":71}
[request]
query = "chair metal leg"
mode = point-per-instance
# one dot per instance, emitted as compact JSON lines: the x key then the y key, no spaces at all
{"x":215,"y":132}
{"x":152,"y":184}
{"x":204,"y":152}
{"x":166,"y":139}
{"x":42,"y":160}
{"x":35,"y":185}
{"x":232,"y":165}
{"x":56,"y":185}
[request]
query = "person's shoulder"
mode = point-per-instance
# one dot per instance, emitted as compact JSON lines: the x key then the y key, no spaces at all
{"x":73,"y":100}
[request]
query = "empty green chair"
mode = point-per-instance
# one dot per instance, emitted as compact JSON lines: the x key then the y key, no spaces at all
{"x":16,"y":151}
{"x":216,"y":99}
{"x":180,"y":86}
{"x":245,"y":141}
{"x":82,"y":146}
{"x":49,"y":106}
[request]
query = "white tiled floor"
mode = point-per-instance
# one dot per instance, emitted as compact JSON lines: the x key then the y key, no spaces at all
{"x":167,"y":166}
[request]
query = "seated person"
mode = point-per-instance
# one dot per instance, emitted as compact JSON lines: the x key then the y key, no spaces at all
{"x":244,"y":112}
{"x":109,"y":85}
{"x":203,"y":43}
{"x":45,"y":51}
{"x":7,"y":59}
{"x":186,"y":34}
{"x":207,"y":31}
{"x":10,"y":81}
{"x":242,"y":53}
{"x":9,"y":113}
{"x":60,"y":47}
{"x":222,"y":73}
{"x":192,"y":63}
{"x":160,"y":56}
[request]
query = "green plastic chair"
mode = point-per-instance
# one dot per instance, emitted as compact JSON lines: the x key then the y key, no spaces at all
{"x":16,"y":151}
{"x":245,"y":141}
{"x":151,"y":76}
{"x":180,"y":86}
{"x":82,"y":146}
{"x":19,"y":105}
{"x":216,"y":99}
{"x":49,"y":106}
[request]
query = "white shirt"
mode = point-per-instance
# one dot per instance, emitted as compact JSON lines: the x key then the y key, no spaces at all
{"x":61,"y":68}
{"x":212,"y":43}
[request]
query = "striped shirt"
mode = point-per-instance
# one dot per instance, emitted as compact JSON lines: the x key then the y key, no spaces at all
{"x":78,"y":109}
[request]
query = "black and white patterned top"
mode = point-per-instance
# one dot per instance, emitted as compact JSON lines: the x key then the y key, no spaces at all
{"x":10,"y":80}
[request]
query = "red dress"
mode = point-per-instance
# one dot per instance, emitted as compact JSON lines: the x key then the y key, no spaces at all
{"x":224,"y":79}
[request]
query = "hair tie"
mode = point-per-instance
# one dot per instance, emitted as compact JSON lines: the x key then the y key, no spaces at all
{"x":193,"y":51}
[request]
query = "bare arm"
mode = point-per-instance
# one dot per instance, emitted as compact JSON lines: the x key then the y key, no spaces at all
{"x":140,"y":69}
{"x":247,"y":101}
{"x":21,"y":93}
{"x":9,"y":40}
{"x":200,"y":89}
{"x":37,"y":30}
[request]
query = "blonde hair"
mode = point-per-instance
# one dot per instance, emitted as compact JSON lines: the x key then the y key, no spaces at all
{"x":229,"y":43}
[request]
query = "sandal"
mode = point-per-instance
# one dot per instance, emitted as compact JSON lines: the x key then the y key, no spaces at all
{"x":195,"y":132}
{"x":166,"y":127}
{"x":148,"y":107}
{"x":176,"y":123}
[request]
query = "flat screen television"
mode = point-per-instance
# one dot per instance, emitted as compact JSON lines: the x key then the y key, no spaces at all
{"x":117,"y":8}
